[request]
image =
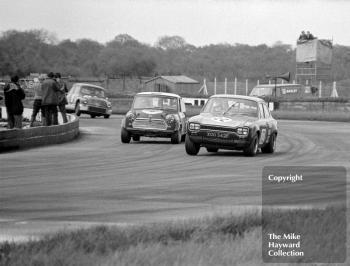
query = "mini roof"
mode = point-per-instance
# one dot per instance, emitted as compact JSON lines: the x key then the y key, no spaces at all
{"x":159,"y":94}
{"x":237,"y":97}
{"x":176,"y":79}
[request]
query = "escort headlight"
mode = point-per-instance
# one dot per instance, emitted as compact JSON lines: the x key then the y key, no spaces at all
{"x":243,"y":131}
{"x":194,"y":126}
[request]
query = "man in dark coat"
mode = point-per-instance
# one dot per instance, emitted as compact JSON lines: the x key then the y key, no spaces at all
{"x":14,"y":95}
{"x":62,"y":99}
{"x":49,"y":100}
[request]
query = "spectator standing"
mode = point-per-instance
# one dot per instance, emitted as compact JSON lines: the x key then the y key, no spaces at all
{"x":14,"y":95}
{"x":37,"y":102}
{"x":62,"y":99}
{"x":302,"y":36}
{"x":49,"y":99}
{"x":309,"y":36}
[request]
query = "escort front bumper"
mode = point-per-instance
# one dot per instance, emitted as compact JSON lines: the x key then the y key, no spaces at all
{"x":219,"y":139}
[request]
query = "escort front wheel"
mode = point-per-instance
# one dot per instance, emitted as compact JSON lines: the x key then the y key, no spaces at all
{"x":252,"y":149}
{"x":191,"y":147}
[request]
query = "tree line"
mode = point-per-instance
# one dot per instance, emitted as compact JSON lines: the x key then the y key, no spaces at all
{"x":38,"y":51}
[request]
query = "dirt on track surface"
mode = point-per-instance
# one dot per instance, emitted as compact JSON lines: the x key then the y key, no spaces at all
{"x":97,"y":179}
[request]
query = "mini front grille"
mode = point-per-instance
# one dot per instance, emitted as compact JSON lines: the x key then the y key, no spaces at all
{"x":150,"y":124}
{"x":98,"y":103}
{"x":97,"y":109}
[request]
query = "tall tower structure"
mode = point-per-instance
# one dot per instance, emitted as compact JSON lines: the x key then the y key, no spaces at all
{"x":313,"y":61}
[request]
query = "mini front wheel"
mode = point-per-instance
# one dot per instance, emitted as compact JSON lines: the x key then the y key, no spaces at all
{"x":125,"y":136}
{"x":176,"y":137}
{"x":77,"y":109}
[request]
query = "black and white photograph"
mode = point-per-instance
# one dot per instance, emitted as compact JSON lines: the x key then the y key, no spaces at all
{"x":163,"y":132}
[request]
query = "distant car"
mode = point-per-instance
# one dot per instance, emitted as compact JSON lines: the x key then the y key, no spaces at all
{"x":234,"y":123}
{"x":155,"y":114}
{"x":88,"y":99}
{"x":287,"y":91}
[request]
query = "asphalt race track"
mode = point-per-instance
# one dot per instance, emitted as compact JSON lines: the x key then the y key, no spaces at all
{"x":97,"y":179}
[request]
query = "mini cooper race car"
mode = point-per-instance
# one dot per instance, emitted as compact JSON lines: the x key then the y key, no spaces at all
{"x":234,"y":123}
{"x":88,"y":99}
{"x":155,"y":114}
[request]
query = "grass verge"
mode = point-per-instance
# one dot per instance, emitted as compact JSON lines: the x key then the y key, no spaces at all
{"x":222,"y":240}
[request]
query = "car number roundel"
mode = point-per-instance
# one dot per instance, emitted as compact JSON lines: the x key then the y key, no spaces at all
{"x":221,"y":119}
{"x":152,"y":112}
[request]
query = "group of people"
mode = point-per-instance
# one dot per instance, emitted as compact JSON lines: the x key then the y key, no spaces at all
{"x":49,"y":94}
{"x":306,"y":36}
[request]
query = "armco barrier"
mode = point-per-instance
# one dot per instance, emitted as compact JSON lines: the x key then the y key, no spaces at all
{"x":38,"y":136}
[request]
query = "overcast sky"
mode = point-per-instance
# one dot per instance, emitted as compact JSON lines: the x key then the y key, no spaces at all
{"x":200,"y":22}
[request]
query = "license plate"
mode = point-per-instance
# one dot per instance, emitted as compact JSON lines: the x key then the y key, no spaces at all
{"x":221,"y":135}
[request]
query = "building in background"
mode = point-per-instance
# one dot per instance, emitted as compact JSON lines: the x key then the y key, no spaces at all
{"x":181,"y":85}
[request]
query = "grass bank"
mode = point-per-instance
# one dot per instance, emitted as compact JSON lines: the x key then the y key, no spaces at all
{"x":225,"y":240}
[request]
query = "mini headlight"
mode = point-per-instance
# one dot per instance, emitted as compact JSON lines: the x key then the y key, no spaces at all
{"x":109,"y":105}
{"x":131,"y":116}
{"x":194,"y":126}
{"x":170,"y":119}
{"x":85,"y":99}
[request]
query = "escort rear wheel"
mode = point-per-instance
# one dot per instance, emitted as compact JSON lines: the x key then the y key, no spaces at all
{"x":191,"y":147}
{"x":271,"y":146}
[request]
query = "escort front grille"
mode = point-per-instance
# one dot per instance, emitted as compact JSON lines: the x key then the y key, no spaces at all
{"x":218,"y":128}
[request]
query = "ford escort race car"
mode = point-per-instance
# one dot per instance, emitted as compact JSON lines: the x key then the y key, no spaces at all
{"x":155,"y":114}
{"x":232,"y":122}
